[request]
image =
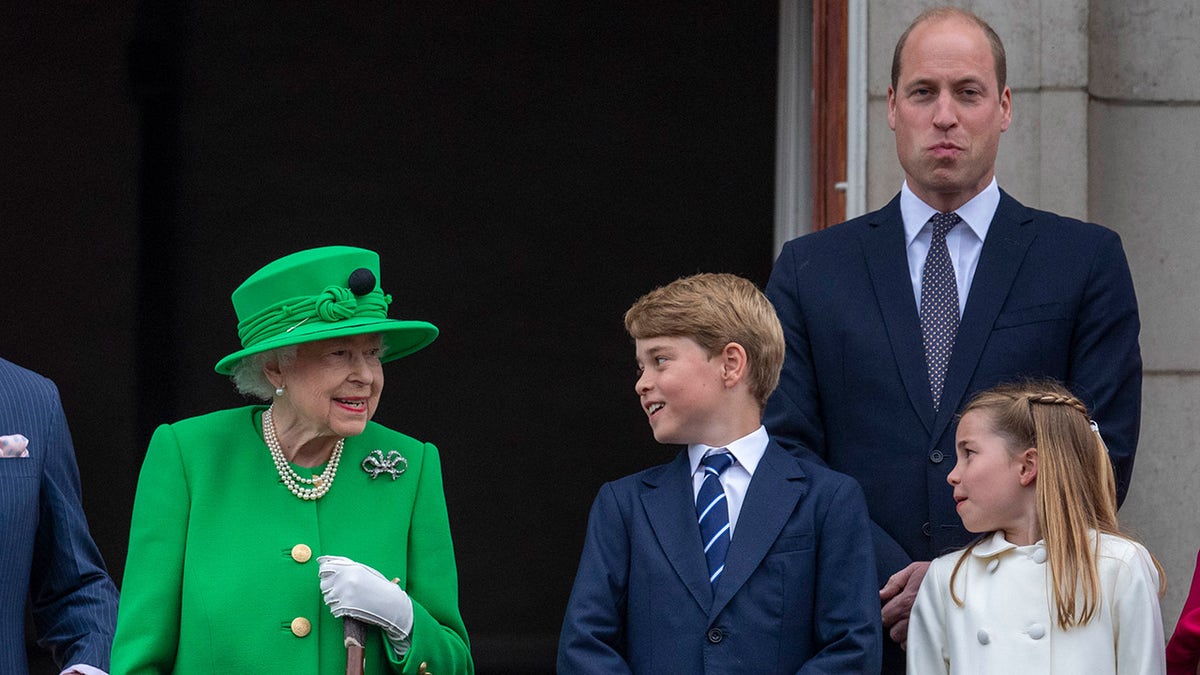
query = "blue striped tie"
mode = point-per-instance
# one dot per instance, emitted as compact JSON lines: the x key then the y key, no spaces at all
{"x":713,"y":513}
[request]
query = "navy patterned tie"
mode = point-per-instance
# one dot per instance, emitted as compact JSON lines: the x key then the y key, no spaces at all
{"x":712,"y":512}
{"x":939,"y":304}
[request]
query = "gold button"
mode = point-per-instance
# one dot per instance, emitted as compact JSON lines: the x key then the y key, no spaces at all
{"x":301,"y":553}
{"x":301,"y":626}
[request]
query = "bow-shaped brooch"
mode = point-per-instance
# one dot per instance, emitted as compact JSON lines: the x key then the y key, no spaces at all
{"x":375,"y":464}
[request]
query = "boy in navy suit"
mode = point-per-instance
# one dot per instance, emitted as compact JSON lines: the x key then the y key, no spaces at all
{"x":736,"y":556}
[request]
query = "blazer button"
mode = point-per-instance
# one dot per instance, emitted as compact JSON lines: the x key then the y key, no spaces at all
{"x":936,"y":457}
{"x":927,"y":530}
{"x":715,"y":635}
{"x":983,"y":637}
{"x":301,"y":626}
{"x":301,"y":553}
{"x":1037,"y":631}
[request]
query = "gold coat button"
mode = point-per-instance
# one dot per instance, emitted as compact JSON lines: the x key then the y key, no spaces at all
{"x":301,"y":553}
{"x":301,"y":626}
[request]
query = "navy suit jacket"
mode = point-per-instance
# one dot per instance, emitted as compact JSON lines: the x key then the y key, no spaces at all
{"x":46,"y":552}
{"x":1051,"y":297}
{"x":797,"y":595}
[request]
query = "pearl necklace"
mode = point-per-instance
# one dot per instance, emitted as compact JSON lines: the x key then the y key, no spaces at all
{"x":319,"y":484}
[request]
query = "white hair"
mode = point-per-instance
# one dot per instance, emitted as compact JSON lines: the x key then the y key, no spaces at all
{"x":248,"y":374}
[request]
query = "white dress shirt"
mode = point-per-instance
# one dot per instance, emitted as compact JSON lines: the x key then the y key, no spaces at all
{"x":964,"y":242}
{"x":746,"y":452}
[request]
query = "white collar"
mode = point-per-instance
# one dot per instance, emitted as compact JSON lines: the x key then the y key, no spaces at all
{"x":747,"y":450}
{"x":977,"y":213}
{"x":995,"y":544}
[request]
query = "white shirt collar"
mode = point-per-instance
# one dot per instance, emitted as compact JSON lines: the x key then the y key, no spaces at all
{"x":746,"y":451}
{"x":977,"y":213}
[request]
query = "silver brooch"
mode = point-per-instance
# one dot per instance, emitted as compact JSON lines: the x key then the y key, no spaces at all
{"x":375,"y":464}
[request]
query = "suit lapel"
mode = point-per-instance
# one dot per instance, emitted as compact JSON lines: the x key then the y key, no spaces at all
{"x":777,"y":486}
{"x":887,"y":263}
{"x":1007,"y":241}
{"x":671,"y":511}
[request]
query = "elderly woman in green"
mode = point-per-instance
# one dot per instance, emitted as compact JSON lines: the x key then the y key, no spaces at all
{"x":256,"y":530}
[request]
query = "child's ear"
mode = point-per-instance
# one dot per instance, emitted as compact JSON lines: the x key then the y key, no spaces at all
{"x":1028,"y":469}
{"x":733,"y":363}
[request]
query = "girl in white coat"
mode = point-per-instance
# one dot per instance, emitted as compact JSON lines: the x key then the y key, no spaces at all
{"x":1052,"y":586}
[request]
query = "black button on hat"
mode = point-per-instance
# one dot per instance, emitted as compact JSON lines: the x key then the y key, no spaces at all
{"x":362,"y":281}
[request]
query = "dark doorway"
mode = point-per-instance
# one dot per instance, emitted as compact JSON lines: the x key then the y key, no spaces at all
{"x":526,"y":171}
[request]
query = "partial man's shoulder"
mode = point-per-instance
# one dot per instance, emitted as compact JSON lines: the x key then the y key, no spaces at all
{"x":30,"y":386}
{"x":843,"y":232}
{"x":1056,"y":223}
{"x":827,"y":251}
{"x":821,"y":479}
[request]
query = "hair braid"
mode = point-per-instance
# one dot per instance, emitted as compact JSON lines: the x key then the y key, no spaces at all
{"x":1058,"y":399}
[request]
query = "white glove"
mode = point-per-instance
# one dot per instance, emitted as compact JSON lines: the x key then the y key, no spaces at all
{"x":355,"y":590}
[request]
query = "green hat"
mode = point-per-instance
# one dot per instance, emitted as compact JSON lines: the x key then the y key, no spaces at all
{"x":315,"y":295}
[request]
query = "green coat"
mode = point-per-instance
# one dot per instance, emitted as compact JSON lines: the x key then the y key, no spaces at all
{"x":214,"y":581}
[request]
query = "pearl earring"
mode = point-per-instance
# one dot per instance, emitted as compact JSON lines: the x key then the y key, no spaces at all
{"x":279,"y":391}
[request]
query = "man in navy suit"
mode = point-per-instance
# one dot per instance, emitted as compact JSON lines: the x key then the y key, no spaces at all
{"x":736,"y":557}
{"x":1038,"y":295}
{"x":46,"y":552}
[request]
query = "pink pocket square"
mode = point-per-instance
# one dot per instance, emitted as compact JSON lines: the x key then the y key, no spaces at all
{"x":15,"y":445}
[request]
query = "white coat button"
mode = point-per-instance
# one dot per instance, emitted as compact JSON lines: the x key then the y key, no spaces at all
{"x":983,"y":637}
{"x":1039,"y":556}
{"x":1037,"y":631}
{"x":993,"y":564}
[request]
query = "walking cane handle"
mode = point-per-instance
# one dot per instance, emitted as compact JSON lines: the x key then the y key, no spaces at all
{"x":356,"y":639}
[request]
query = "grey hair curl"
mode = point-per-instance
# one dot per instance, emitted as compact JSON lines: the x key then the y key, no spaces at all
{"x":248,"y":375}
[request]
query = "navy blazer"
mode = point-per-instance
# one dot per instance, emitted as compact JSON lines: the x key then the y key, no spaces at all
{"x":1051,"y":297}
{"x":797,"y":595}
{"x":46,"y":551}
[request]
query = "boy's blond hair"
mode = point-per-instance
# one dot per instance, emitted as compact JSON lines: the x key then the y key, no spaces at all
{"x":1076,"y":491}
{"x":714,"y":310}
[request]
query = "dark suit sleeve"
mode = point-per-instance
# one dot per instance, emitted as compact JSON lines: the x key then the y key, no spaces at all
{"x":1106,"y":361}
{"x":848,"y":624}
{"x":74,"y":600}
{"x":593,"y":632}
{"x":793,"y":413}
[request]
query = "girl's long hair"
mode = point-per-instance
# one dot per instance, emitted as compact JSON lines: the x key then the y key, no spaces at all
{"x":1076,"y":491}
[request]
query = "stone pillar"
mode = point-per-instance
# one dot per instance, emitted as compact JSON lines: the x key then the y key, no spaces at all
{"x":1143,"y":164}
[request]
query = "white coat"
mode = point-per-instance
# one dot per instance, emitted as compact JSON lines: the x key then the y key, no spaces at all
{"x":1007,"y":624}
